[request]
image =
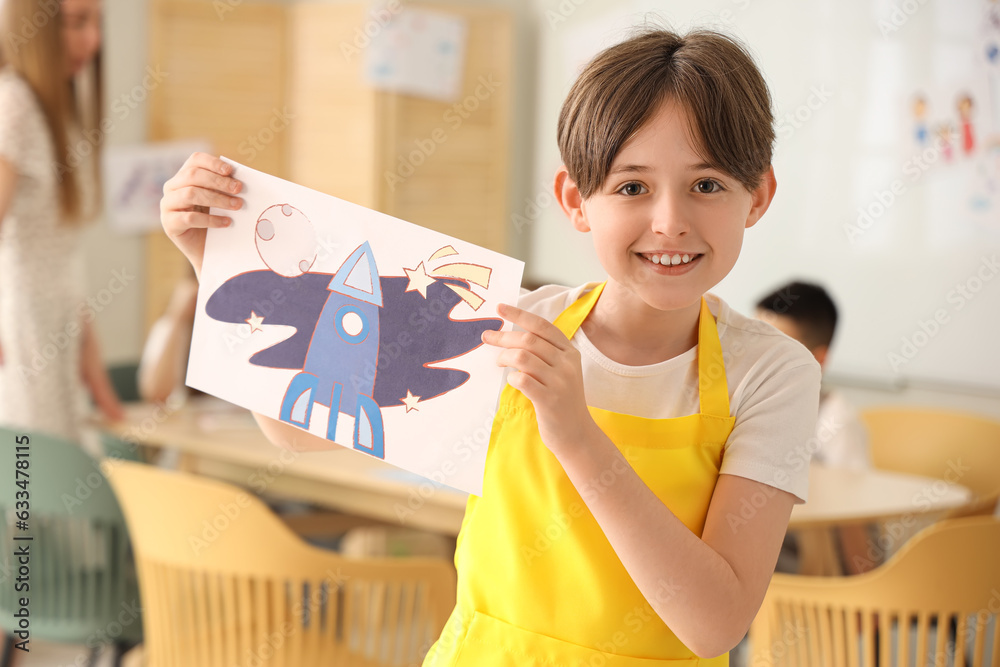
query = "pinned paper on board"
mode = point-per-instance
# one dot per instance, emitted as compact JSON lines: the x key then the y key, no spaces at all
{"x":355,"y":326}
{"x":133,"y":180}
{"x":419,"y":52}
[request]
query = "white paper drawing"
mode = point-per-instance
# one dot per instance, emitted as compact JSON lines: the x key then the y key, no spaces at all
{"x":356,"y":326}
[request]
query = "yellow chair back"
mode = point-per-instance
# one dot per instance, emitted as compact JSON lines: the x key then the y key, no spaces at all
{"x":225,"y":583}
{"x":956,"y":446}
{"x":936,"y":599}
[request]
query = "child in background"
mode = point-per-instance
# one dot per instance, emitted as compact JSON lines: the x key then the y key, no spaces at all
{"x":164,"y":356}
{"x":642,"y":416}
{"x":806,"y":312}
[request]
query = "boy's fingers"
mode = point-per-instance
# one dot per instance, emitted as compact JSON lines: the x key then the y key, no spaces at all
{"x":523,"y":340}
{"x":204,"y":178}
{"x":536,"y":324}
{"x":524,"y":364}
{"x":189,"y":197}
{"x":176,"y":223}
{"x":210,"y":162}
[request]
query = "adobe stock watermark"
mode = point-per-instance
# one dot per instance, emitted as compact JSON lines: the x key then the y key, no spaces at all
{"x":635,"y":620}
{"x":266,"y":305}
{"x":928,"y":329}
{"x":560,"y":522}
{"x":121,"y":108}
{"x":377,"y":20}
{"x":797,"y":459}
{"x":789,"y":636}
{"x":914,"y":168}
{"x":104,"y":468}
{"x":562,"y":12}
{"x":140,"y":432}
{"x":897,"y":531}
{"x":309,"y":608}
{"x":899,"y":14}
{"x":130,"y":614}
{"x":728,"y":16}
{"x":47,"y":351}
{"x":461,"y":450}
{"x":255,"y":143}
{"x":18,"y":36}
{"x":454,"y":117}
{"x":533,"y":207}
{"x":229,"y":513}
{"x":794,"y":120}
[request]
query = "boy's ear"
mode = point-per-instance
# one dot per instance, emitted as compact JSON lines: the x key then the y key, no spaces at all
{"x":820,"y":352}
{"x":568,"y":196}
{"x":761,"y":197}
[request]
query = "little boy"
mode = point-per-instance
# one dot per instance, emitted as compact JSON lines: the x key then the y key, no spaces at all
{"x":807,"y":313}
{"x":636,"y":488}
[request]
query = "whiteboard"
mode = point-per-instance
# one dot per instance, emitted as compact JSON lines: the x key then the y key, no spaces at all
{"x":900,"y":226}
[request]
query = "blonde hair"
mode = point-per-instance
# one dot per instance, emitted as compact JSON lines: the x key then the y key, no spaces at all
{"x":710,"y":73}
{"x":32,"y":45}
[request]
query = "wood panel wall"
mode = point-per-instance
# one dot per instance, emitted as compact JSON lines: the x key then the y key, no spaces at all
{"x":238,"y":70}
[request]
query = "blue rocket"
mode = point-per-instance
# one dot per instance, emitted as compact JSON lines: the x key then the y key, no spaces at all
{"x":346,"y":345}
{"x":344,"y":342}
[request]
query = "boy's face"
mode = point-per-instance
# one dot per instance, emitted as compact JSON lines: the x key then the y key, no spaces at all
{"x":666,"y":227}
{"x":792,"y":329}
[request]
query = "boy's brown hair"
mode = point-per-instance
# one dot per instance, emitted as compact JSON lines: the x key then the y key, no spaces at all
{"x":710,"y":74}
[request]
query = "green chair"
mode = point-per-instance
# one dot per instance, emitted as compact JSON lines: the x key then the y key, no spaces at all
{"x":117,"y":449}
{"x":125,"y":379}
{"x":81,"y":573}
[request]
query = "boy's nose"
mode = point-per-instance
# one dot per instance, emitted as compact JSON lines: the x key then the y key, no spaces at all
{"x":669,"y":217}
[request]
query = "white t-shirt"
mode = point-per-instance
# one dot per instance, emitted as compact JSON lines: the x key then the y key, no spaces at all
{"x":841,"y":438}
{"x":773,"y":389}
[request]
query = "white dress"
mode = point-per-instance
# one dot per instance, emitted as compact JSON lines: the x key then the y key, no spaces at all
{"x":42,"y":303}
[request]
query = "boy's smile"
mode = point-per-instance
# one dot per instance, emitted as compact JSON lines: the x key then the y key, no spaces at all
{"x":667,"y":225}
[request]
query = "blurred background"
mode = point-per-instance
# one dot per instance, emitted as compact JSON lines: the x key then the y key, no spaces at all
{"x":880,"y":199}
{"x":444,"y":114}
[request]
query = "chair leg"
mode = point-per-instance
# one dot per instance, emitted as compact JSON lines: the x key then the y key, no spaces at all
{"x":7,"y":655}
{"x":120,"y":650}
{"x":93,"y":655}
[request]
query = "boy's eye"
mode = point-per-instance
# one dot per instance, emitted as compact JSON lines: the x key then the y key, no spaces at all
{"x":632,"y":189}
{"x":708,"y":186}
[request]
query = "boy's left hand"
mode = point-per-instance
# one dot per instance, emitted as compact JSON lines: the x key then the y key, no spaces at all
{"x":546,"y":369}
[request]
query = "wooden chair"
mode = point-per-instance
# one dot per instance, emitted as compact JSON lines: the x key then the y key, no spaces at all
{"x":954,"y":446}
{"x":226,"y":583}
{"x":940,"y":586}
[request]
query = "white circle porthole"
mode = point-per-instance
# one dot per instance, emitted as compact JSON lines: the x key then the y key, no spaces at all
{"x":352,"y":324}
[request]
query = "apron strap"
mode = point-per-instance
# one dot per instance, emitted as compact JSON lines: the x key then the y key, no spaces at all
{"x":713,"y":389}
{"x":572,"y":318}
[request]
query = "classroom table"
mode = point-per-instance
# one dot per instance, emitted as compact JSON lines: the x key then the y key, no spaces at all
{"x":222,"y":441}
{"x":219,"y":440}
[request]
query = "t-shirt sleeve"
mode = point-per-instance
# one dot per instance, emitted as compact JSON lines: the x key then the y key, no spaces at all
{"x":841,"y":437}
{"x":15,"y":105}
{"x":770,"y":442}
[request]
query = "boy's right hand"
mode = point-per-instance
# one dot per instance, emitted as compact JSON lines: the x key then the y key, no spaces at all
{"x":203,"y":181}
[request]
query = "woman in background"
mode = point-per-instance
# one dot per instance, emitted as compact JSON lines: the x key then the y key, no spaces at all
{"x":49,"y":99}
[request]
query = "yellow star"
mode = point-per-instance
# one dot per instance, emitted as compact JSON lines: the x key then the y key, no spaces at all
{"x":410,"y":401}
{"x":254,"y":321}
{"x":419,"y":280}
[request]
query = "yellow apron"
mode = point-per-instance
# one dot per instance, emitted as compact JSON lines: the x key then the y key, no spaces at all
{"x":538,"y":582}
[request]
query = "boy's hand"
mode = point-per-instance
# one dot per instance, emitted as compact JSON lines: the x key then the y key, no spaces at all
{"x":546,"y":369}
{"x":203,"y":181}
